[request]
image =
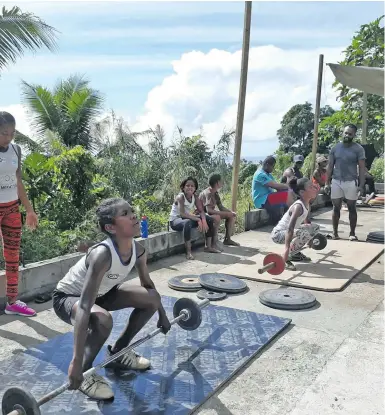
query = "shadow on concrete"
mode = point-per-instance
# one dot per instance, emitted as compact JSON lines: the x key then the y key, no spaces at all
{"x":28,"y":341}
{"x":240,"y":250}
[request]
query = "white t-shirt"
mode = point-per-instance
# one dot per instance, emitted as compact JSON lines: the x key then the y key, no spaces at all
{"x":73,"y":281}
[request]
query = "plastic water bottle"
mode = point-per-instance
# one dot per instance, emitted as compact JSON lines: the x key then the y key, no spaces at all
{"x":144,"y":227}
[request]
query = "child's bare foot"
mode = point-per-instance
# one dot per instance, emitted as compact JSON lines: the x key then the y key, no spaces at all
{"x":189,"y":256}
{"x":212,"y":250}
{"x":218,"y":248}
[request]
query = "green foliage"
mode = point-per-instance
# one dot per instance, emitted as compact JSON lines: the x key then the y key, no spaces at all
{"x":63,"y":187}
{"x":366,"y":49}
{"x":377,"y":170}
{"x":283,"y":161}
{"x":297,"y":129}
{"x":246,"y":170}
{"x":68,"y":110}
{"x":43,"y":243}
{"x":21,"y":31}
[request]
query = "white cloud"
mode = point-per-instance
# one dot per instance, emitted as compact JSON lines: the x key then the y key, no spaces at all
{"x":203,"y":91}
{"x":22,"y":123}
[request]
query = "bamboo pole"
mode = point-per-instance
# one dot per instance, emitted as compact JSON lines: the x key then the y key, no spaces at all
{"x":364,"y":118}
{"x":317,"y":110}
{"x":241,"y":104}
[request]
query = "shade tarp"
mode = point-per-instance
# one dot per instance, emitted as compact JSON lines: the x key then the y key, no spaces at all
{"x":363,"y":78}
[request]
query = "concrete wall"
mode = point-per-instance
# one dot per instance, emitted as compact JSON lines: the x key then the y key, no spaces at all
{"x":379,"y":187}
{"x":257,"y":218}
{"x":41,"y":277}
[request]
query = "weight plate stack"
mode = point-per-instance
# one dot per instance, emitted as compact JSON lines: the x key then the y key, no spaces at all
{"x":222,"y":283}
{"x":188,"y":283}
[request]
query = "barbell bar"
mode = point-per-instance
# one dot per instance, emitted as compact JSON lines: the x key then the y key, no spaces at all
{"x":274,"y":263}
{"x":187,"y":314}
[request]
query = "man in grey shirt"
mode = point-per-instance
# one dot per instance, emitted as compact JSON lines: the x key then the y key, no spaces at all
{"x":342,"y":176}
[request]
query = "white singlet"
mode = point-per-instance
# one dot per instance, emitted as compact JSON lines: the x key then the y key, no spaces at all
{"x":188,"y":206}
{"x":283,"y":224}
{"x":73,"y":281}
{"x":9,"y":162}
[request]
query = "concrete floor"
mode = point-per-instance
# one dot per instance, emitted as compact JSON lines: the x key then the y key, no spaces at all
{"x":329,"y":361}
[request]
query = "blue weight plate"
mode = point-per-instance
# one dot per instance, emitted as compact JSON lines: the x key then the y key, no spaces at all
{"x":222,"y":283}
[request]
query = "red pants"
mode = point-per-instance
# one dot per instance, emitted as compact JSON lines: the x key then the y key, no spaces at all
{"x":277,"y":198}
{"x":10,"y":225}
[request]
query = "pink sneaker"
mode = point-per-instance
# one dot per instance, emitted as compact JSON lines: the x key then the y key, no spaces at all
{"x":19,"y":308}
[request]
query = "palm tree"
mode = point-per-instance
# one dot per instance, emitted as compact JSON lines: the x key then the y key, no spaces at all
{"x":68,"y":111}
{"x":21,"y":31}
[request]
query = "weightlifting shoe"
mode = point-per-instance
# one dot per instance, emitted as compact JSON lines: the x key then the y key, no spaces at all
{"x":299,"y":257}
{"x":96,"y":387}
{"x":129,"y":361}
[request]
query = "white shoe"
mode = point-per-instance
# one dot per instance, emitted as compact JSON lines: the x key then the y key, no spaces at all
{"x":128,"y":361}
{"x":96,"y":387}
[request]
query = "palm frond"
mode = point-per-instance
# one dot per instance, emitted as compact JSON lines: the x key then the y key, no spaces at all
{"x":41,"y":108}
{"x":21,"y":31}
{"x":27,"y":142}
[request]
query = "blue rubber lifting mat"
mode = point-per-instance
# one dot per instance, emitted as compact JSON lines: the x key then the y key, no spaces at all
{"x":187,"y":366}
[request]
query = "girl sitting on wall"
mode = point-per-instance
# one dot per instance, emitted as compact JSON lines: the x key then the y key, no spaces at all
{"x":187,"y":212}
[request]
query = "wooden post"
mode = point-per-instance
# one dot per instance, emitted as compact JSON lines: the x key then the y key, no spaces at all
{"x":241,"y":104}
{"x":364,"y":118}
{"x":317,"y":110}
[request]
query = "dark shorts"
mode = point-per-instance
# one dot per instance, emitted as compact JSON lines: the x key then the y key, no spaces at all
{"x":63,"y":303}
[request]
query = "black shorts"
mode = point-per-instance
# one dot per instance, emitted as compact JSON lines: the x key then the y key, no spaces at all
{"x":63,"y":303}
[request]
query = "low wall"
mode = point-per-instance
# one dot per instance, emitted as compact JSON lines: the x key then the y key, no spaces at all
{"x":257,"y":218}
{"x":379,"y":188}
{"x":42,"y":277}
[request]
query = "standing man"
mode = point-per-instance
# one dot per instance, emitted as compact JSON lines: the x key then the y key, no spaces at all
{"x":342,"y":177}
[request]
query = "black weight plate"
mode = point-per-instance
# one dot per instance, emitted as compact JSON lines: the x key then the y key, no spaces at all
{"x":195,"y":319}
{"x":211,"y":295}
{"x":185,"y":283}
{"x":378,"y":236}
{"x":287,"y":299}
{"x":222,"y":283}
{"x":17,"y":398}
{"x":319,"y":242}
{"x":375,"y":241}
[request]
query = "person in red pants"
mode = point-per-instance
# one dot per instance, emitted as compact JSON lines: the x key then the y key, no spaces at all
{"x":268,"y":194}
{"x":12,"y":193}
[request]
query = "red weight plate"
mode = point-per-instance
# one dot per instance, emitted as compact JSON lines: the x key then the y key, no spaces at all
{"x":278,"y":261}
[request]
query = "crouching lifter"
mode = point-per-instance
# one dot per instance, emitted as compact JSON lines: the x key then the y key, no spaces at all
{"x":291,"y":229}
{"x":93,"y":287}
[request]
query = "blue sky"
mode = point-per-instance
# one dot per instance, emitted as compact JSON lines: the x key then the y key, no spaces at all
{"x":127,"y":49}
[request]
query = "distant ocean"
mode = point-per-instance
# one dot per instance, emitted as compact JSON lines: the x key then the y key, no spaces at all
{"x":253,"y":159}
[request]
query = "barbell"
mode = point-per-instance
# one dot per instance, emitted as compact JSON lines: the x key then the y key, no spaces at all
{"x":17,"y":401}
{"x":274,"y":263}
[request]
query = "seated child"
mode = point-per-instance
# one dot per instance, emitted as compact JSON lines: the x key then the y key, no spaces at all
{"x":187,"y":212}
